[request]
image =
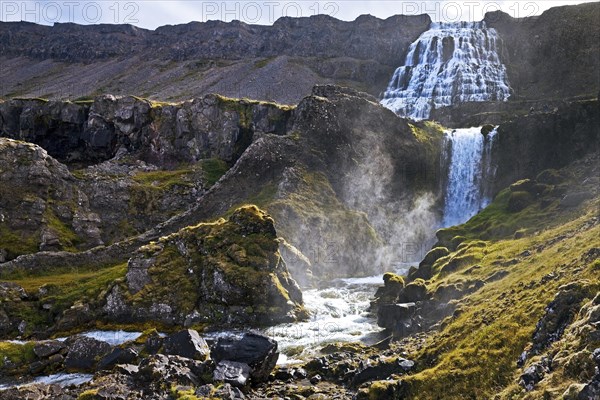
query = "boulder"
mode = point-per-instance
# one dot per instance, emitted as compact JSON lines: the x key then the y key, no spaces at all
{"x":188,"y":344}
{"x":531,"y":376}
{"x":48,"y":348}
{"x":172,"y":369}
{"x":235,"y":373}
{"x":396,"y":316}
{"x":256,"y":350}
{"x":84,"y":353}
{"x":118,"y":356}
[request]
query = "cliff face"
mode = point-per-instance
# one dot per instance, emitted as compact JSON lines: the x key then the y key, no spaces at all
{"x":338,"y":161}
{"x":280,"y":62}
{"x":547,"y":57}
{"x":551,"y":56}
{"x":530,"y":144}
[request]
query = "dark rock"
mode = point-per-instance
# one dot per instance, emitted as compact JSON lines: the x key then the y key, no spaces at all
{"x":225,"y":392}
{"x":232,"y":372}
{"x":531,"y":376}
{"x":590,"y":391}
{"x":188,"y":344}
{"x":559,"y":313}
{"x":153,"y":343}
{"x":127,"y":369}
{"x":413,"y":292}
{"x":48,"y":348}
{"x":118,"y":356}
{"x":84,"y":353}
{"x":173,"y":369}
{"x":256,"y":350}
{"x":596,"y":357}
{"x":381,"y":369}
{"x":315,"y":379}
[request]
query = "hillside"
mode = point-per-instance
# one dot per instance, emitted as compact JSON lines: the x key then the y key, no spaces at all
{"x":282,"y":62}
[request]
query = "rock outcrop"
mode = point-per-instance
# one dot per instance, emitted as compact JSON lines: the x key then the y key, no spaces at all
{"x":41,"y":206}
{"x":228,"y":272}
{"x":233,"y":59}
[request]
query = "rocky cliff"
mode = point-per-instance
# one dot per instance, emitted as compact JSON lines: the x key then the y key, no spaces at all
{"x":279,"y":62}
{"x":548,"y":57}
{"x":312,"y":167}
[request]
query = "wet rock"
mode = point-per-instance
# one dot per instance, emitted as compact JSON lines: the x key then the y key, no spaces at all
{"x":188,"y":344}
{"x":84,"y":353}
{"x":232,"y":372}
{"x":256,"y":350}
{"x":48,"y":348}
{"x":393,"y":316}
{"x":118,"y":356}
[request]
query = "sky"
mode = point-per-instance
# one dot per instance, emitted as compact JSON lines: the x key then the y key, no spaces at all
{"x":151,"y":14}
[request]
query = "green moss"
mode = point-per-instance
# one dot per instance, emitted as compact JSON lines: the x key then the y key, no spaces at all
{"x":66,"y":236}
{"x":163,"y":180}
{"x":17,"y":243}
{"x":62,"y":289}
{"x":213,"y":169}
{"x":90,"y":394}
{"x":519,"y":201}
{"x":263,"y":63}
{"x":391,"y":278}
{"x":17,"y":354}
{"x":474,"y":354}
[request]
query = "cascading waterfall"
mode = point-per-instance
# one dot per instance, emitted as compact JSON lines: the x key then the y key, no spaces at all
{"x":470,"y":171}
{"x":448,"y":64}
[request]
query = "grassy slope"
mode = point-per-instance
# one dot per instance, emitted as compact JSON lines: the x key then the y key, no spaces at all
{"x":474,"y":353}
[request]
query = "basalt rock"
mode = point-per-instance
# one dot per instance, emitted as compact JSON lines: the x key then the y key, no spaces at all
{"x":227,"y":272}
{"x":41,"y":206}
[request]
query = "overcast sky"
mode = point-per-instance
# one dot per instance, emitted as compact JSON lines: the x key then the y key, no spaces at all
{"x":153,"y":13}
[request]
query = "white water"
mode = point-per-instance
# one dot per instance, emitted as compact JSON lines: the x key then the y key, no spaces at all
{"x":338,"y":314}
{"x":448,"y":64}
{"x":57,"y":379}
{"x":468,"y":154}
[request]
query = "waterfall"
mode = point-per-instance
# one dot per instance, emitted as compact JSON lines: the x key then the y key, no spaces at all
{"x":470,"y":172}
{"x":448,"y":64}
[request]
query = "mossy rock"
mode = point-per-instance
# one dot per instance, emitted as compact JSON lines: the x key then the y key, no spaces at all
{"x":425,"y":269}
{"x":389,"y":278}
{"x":487,"y":129}
{"x":524,"y":185}
{"x":519,"y":201}
{"x":413,"y":292}
{"x":225,"y":272}
{"x":550,"y":177}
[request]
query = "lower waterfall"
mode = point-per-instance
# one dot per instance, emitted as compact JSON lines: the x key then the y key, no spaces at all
{"x":470,"y":172}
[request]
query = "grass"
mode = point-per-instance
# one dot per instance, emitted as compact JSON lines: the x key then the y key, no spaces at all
{"x":213,"y":169}
{"x":16,"y":354}
{"x":475,"y":355}
{"x":474,"y":352}
{"x":17,"y":243}
{"x":63,"y":288}
{"x":163,"y":180}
